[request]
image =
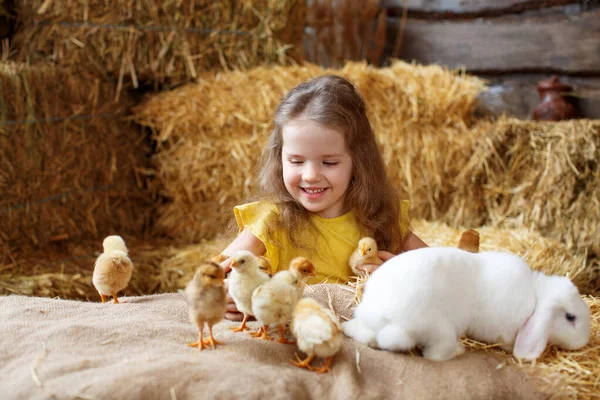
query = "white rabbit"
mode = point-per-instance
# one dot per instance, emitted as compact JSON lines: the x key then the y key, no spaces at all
{"x":430,"y":297}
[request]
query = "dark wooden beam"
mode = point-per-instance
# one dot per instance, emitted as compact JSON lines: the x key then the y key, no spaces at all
{"x":461,"y":9}
{"x":553,"y":42}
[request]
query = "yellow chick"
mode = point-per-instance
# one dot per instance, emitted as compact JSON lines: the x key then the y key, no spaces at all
{"x":274,"y":301}
{"x":113,"y":268}
{"x":366,"y":253}
{"x":263,"y":262}
{"x":469,"y":241}
{"x":302,"y":268}
{"x":244,"y":278}
{"x":265,"y":265}
{"x":207,"y":300}
{"x":318,"y":334}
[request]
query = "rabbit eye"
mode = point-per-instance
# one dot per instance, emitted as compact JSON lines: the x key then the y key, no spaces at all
{"x":570,"y":317}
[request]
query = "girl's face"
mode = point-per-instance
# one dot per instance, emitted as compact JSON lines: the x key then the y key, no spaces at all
{"x":317,"y":167}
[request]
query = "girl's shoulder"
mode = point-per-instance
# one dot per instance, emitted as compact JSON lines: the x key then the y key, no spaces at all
{"x":256,"y":211}
{"x":258,"y":207}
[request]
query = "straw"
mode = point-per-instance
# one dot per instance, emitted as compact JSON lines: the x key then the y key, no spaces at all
{"x":158,"y":42}
{"x":71,"y":166}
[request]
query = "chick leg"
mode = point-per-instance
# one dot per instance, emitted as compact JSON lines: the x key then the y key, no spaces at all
{"x":200,"y":343}
{"x":282,"y":338}
{"x":302,"y":363}
{"x":211,"y":339}
{"x":103,"y":297}
{"x":265,"y":333}
{"x":325,"y":368}
{"x":257,"y":333}
{"x":243,"y":326}
{"x":114,"y":296}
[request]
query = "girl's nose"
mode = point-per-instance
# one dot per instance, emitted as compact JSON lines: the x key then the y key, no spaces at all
{"x":311,"y":173}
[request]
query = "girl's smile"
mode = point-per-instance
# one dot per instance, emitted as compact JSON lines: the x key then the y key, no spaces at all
{"x":317,"y":167}
{"x":314,"y":193}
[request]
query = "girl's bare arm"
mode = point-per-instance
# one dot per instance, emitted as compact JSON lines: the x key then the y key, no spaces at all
{"x":244,"y":241}
{"x":413,"y":242}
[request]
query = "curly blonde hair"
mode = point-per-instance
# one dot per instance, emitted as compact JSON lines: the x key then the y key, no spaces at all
{"x":334,"y":102}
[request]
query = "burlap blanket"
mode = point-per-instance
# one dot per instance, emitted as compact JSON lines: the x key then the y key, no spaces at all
{"x":63,"y":349}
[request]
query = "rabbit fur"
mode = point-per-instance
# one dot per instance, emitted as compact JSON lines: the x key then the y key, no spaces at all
{"x":430,"y":297}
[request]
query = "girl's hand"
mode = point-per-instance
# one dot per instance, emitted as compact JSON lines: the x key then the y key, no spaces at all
{"x":226,"y":265}
{"x":231,"y":312}
{"x":368,"y":268}
{"x":383,"y":256}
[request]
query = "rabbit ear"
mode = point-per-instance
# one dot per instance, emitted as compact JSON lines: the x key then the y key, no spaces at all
{"x":533,"y":336}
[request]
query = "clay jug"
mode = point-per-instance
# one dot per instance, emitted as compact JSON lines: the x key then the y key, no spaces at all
{"x":553,"y":106}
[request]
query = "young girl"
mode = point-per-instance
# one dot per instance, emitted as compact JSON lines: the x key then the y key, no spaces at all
{"x":325,"y":186}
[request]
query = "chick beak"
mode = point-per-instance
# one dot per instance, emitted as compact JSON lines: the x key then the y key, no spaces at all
{"x":312,"y":272}
{"x":234,"y":263}
{"x":363,"y":252}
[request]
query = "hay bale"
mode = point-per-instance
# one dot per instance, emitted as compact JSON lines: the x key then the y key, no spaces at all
{"x":162,"y":42}
{"x":71,"y":167}
{"x":542,"y":175}
{"x":210,"y":136}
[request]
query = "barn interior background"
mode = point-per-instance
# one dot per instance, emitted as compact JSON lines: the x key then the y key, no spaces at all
{"x":146,"y":118}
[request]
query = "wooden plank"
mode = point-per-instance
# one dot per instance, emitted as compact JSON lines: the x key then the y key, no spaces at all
{"x":552,"y":42}
{"x":470,"y":6}
{"x":516,"y":94}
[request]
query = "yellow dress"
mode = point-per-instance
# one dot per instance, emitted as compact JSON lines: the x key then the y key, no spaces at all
{"x":329,"y":251}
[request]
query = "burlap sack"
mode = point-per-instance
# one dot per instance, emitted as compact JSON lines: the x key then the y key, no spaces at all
{"x":61,"y":349}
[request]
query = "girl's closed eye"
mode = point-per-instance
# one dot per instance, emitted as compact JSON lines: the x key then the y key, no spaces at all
{"x":331,"y":163}
{"x":295,"y":161}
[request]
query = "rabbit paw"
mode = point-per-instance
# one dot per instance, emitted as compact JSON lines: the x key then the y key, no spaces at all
{"x":358,"y":331}
{"x":394,"y":338}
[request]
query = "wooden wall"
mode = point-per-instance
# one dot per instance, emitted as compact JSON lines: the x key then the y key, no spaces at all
{"x":513,"y":43}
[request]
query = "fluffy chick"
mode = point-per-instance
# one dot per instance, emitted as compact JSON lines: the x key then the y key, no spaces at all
{"x":263,"y":262}
{"x":113,"y":268}
{"x":274,"y":301}
{"x":244,"y":278}
{"x":366,"y":253}
{"x":207,"y":300}
{"x":265,"y":265}
{"x":318,"y":334}
{"x":469,"y":241}
{"x":302,"y":268}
